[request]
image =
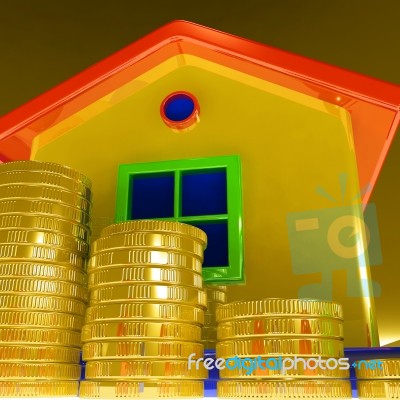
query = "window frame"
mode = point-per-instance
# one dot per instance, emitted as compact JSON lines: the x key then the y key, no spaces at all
{"x":234,"y":272}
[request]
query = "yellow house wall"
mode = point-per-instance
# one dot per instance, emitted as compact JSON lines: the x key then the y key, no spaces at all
{"x":289,"y":145}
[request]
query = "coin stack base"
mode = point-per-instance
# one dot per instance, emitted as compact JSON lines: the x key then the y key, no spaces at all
{"x":281,"y":349}
{"x":39,"y":389}
{"x":142,"y":389}
{"x":378,"y":379}
{"x":146,"y":311}
{"x":305,"y":389}
{"x":44,"y":243}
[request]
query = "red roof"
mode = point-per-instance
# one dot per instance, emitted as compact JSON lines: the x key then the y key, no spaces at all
{"x":373,"y":104}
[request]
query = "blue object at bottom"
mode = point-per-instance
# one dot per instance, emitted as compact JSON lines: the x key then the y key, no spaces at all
{"x":210,"y":388}
{"x":83,"y":368}
{"x":367,"y":353}
{"x":210,"y":384}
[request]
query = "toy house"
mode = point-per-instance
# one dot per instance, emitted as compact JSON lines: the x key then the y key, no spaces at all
{"x":250,"y":143}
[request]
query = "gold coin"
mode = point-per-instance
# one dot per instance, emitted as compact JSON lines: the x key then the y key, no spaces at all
{"x":142,"y":293}
{"x":209,"y":333}
{"x":43,"y":271}
{"x":378,"y":389}
{"x":35,"y":319}
{"x":177,"y":276}
{"x":17,"y":371}
{"x":141,"y":349}
{"x":146,"y":312}
{"x":44,"y":207}
{"x":280,"y":346}
{"x":279,"y":307}
{"x":209,"y":344}
{"x":156,"y":227}
{"x":219,"y":288}
{"x":171,"y":369}
{"x":210,"y":337}
{"x":140,"y":329}
{"x":51,"y":337}
{"x":272,"y":326}
{"x":45,"y":179}
{"x":141,"y":257}
{"x":378,"y":369}
{"x":45,"y":193}
{"x":47,"y":303}
{"x":209,"y":319}
{"x":281,"y":389}
{"x":141,"y":389}
{"x":217,"y":296}
{"x":149,"y":240}
{"x":217,"y":293}
{"x":25,"y":236}
{"x":33,"y":253}
{"x":38,"y":353}
{"x":46,"y":223}
{"x":47,"y":167}
{"x":209,"y":329}
{"x":32,"y":286}
{"x":284,"y":368}
{"x":38,"y":388}
{"x":212,"y":308}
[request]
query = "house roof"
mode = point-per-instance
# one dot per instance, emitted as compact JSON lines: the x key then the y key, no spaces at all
{"x":374,"y":105}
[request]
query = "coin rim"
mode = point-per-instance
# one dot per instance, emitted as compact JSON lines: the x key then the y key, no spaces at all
{"x":31,"y":165}
{"x":155,"y":226}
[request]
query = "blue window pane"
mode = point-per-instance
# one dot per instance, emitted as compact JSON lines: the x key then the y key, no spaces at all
{"x":204,"y":193}
{"x":152,"y":196}
{"x":216,"y":254}
{"x":179,"y":107}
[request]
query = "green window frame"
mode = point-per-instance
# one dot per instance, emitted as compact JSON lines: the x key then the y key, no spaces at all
{"x":233,"y":272}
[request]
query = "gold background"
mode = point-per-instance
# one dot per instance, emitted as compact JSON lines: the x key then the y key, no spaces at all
{"x":44,"y":42}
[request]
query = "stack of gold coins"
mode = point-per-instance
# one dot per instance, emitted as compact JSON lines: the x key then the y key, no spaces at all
{"x":216,"y":296}
{"x":146,"y":310}
{"x":378,"y":379}
{"x":282,"y":348}
{"x":44,"y":232}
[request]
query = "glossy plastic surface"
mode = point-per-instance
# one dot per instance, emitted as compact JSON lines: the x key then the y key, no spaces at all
{"x":180,"y":111}
{"x":373,"y":104}
{"x":289,"y":144}
{"x":200,"y":212}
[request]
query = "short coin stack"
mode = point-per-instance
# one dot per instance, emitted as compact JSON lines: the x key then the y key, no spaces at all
{"x":146,"y":312}
{"x":378,"y":379}
{"x":274,"y":347}
{"x":216,"y":296}
{"x":44,"y":233}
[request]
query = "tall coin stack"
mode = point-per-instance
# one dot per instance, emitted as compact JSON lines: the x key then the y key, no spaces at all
{"x":146,"y":312}
{"x":276,"y":346}
{"x":44,"y":233}
{"x":378,"y":379}
{"x":216,"y":296}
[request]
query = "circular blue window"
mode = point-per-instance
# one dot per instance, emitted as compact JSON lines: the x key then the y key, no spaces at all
{"x":180,"y":110}
{"x":179,"y":107}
